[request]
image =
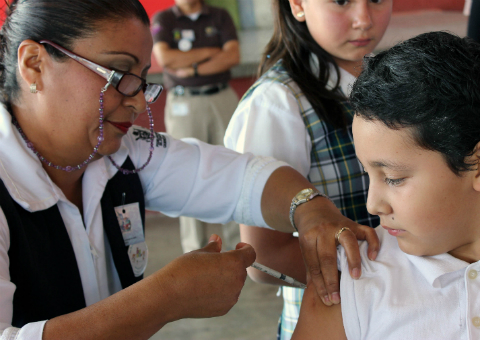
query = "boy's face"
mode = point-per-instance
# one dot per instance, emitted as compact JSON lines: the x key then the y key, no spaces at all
{"x":418,"y":198}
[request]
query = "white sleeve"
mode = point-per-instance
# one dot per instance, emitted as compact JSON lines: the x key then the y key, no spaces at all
{"x":268,"y":123}
{"x":31,"y":331}
{"x":208,"y":182}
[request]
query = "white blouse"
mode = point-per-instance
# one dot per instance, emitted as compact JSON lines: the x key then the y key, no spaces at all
{"x":183,"y":178}
{"x":269,"y":123}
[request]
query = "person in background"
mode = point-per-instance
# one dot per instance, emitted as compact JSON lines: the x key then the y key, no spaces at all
{"x":417,"y":132}
{"x":298,"y":112}
{"x":76,"y":178}
{"x":197,"y":45}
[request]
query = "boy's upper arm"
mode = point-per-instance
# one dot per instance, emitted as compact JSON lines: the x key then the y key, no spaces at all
{"x":317,"y":321}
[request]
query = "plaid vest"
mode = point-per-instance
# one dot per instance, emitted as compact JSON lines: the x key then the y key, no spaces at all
{"x":335,"y":171}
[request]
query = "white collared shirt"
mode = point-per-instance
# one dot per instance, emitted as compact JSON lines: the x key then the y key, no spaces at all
{"x":401,"y":296}
{"x":269,"y":123}
{"x":186,"y":178}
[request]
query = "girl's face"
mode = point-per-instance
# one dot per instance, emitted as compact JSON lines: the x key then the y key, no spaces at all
{"x":67,"y":119}
{"x":419,"y":200}
{"x":346,"y":29}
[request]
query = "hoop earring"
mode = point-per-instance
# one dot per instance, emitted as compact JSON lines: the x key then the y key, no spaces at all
{"x":33,"y":88}
{"x":300,"y":14}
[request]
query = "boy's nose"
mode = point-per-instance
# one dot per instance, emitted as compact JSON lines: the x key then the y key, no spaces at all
{"x":376,"y":203}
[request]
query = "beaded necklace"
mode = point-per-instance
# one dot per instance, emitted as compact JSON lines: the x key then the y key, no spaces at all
{"x":95,"y":149}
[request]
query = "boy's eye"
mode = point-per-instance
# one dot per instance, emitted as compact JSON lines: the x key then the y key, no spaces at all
{"x":342,"y":2}
{"x":394,"y":182}
{"x":376,"y":1}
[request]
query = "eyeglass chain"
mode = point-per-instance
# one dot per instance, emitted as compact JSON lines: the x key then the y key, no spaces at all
{"x":95,"y":149}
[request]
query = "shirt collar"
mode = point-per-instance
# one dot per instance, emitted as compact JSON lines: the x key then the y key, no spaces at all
{"x":346,"y":79}
{"x":23,"y":175}
{"x":434,"y":267}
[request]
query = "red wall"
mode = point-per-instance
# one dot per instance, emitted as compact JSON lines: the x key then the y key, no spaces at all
{"x":152,"y":6}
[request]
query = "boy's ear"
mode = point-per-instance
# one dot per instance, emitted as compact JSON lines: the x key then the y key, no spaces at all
{"x":476,"y":158}
{"x":31,"y":56}
{"x":297,"y":9}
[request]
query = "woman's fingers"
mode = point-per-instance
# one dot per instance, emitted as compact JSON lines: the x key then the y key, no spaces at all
{"x":319,"y":248}
{"x":321,"y":262}
{"x":348,"y":240}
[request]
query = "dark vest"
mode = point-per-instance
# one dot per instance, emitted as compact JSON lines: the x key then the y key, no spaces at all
{"x":42,"y":262}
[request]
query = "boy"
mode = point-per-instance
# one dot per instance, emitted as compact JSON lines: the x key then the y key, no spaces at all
{"x":417,"y":134}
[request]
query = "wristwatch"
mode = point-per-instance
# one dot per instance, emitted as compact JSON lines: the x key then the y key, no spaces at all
{"x":302,"y":197}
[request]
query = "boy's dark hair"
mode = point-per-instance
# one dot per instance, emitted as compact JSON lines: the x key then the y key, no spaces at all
{"x":430,"y":83}
{"x":61,"y":21}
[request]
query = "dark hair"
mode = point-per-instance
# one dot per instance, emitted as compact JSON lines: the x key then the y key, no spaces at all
{"x":293,"y":43}
{"x":430,"y":83}
{"x":61,"y":21}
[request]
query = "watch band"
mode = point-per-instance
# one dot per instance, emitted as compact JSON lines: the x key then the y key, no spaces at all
{"x":296,"y":201}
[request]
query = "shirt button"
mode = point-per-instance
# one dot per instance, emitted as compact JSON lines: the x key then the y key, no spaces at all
{"x":472,"y":274}
{"x":476,"y":321}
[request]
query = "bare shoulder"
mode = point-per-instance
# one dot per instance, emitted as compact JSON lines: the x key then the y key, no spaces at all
{"x":317,"y":321}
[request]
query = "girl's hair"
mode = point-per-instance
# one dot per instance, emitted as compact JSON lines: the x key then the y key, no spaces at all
{"x":293,"y":43}
{"x":431,"y":84}
{"x":61,"y":21}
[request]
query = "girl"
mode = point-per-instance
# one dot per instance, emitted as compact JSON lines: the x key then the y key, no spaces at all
{"x":297,"y":112}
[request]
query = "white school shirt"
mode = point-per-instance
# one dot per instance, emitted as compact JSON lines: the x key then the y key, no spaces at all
{"x":401,"y":296}
{"x":269,"y":123}
{"x":186,"y":177}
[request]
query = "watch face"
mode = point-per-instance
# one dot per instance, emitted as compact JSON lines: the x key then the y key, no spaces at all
{"x":304,"y":194}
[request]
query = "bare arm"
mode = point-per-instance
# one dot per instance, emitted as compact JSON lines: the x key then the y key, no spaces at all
{"x":317,"y":321}
{"x":175,"y":59}
{"x":223,"y":61}
{"x":203,"y":283}
{"x":277,"y":250}
{"x":220,"y":62}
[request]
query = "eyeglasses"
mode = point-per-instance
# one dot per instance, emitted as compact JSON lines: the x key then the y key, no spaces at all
{"x":126,"y":83}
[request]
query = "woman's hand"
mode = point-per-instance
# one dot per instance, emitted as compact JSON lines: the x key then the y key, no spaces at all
{"x":207,"y":283}
{"x":318,"y":221}
{"x":201,"y":284}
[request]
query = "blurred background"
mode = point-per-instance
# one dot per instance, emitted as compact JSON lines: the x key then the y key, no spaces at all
{"x":253,"y":19}
{"x":256,"y":314}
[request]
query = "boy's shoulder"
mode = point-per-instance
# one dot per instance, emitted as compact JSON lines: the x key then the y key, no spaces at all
{"x":412,"y":290}
{"x":392,"y":259}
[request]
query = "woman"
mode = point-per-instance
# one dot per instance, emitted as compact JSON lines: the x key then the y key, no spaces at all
{"x":76,"y":178}
{"x":297,"y":112}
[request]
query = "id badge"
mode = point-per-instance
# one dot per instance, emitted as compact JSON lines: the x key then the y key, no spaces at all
{"x":188,"y":35}
{"x":130,"y":223}
{"x":184,"y":45}
{"x":138,"y":255}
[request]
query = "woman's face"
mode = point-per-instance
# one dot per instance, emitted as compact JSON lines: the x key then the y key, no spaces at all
{"x":68,"y":117}
{"x":347,"y":29}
